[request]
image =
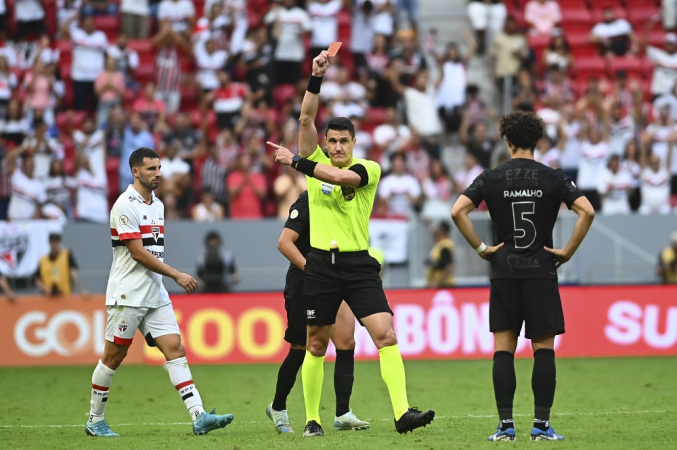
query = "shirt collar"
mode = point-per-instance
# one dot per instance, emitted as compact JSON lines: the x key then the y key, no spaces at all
{"x":138,"y":196}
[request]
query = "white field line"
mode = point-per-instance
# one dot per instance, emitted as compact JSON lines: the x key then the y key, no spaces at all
{"x":468,"y":416}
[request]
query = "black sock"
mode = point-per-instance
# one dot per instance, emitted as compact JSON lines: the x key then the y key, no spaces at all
{"x":286,"y":377}
{"x":543,"y":380}
{"x":504,"y":383}
{"x":344,"y":371}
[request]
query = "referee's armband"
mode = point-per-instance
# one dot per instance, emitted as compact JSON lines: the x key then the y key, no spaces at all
{"x":362,"y":172}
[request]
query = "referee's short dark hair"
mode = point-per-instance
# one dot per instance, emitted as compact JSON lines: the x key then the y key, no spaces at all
{"x":137,"y":156}
{"x":341,"y":124}
{"x":523,"y":129}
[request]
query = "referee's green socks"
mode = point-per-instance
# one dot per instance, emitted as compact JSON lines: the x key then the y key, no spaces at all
{"x":312,"y":374}
{"x":392,"y":372}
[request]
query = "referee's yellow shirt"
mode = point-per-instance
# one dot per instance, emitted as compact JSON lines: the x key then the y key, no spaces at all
{"x":338,"y":213}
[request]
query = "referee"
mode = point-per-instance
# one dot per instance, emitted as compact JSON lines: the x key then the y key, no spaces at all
{"x":523,"y":198}
{"x":341,"y":191}
{"x":294,"y":244}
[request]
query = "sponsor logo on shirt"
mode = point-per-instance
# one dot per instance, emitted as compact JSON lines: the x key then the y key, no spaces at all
{"x":327,"y":188}
{"x":521,"y":263}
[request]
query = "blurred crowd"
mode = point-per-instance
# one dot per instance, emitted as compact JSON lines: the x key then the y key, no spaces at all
{"x":207,"y":83}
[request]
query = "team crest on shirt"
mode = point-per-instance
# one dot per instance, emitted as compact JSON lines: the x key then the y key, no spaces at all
{"x":156,"y":232}
{"x":122,"y":326}
{"x":327,"y":188}
{"x":348,"y":192}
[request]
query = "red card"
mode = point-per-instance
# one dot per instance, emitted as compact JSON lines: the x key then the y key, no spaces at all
{"x":334,"y":48}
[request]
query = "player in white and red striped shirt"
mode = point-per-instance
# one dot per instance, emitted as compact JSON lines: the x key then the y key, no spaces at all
{"x":136,"y":297}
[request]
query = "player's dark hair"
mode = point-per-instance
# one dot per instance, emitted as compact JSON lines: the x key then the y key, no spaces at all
{"x":54,"y":237}
{"x":445,"y":227}
{"x":523,"y":129}
{"x":137,"y":156}
{"x":341,"y":124}
{"x":212,"y":235}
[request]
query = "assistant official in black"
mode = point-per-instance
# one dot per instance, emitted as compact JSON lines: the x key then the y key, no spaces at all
{"x":294,"y":244}
{"x":524,"y":198}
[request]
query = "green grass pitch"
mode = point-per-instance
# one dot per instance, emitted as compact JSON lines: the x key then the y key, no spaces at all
{"x":615,"y":403}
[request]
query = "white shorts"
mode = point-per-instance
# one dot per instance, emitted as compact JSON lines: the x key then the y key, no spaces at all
{"x":483,"y":16}
{"x":123,"y":321}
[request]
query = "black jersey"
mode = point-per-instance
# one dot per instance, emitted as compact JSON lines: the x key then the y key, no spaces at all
{"x":299,"y":221}
{"x":523,"y":198}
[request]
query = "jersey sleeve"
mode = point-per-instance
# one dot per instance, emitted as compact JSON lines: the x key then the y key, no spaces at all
{"x":569,"y":192}
{"x":299,"y":216}
{"x":318,"y":156}
{"x":369,"y":172}
{"x":475,"y":192}
{"x":125,"y":221}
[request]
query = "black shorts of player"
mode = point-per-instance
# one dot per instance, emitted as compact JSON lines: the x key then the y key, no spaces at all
{"x":353,"y":277}
{"x":295,"y":333}
{"x":534,"y":301}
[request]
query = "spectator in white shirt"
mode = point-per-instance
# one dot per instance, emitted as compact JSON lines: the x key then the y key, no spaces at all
{"x":289,"y":24}
{"x":28,"y":194}
{"x":180,"y":13}
{"x":43,"y":149}
{"x":65,"y":9}
{"x":8,"y":81}
{"x":614,"y":185}
{"x":30,"y":18}
{"x":594,"y":155}
{"x":660,"y":136}
{"x":89,"y":53}
{"x":486,"y":15}
{"x":665,"y":64}
{"x":362,"y":34}
{"x":391,"y":136}
{"x":175,"y":171}
{"x":91,"y":192}
{"x":91,"y":143}
{"x":613,"y":36}
{"x":655,"y":188}
{"x":421,"y":106}
{"x":464,"y":177}
{"x":127,"y":60}
{"x":135,"y":18}
{"x":400,"y":190}
{"x":58,"y":187}
{"x":324,"y":16}
{"x":209,"y":62}
{"x":207,"y":210}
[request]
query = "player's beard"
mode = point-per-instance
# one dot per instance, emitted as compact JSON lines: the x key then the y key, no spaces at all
{"x":148,"y":184}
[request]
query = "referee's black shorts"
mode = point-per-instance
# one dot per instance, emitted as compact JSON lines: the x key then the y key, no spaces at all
{"x":354,"y":277}
{"x":534,"y":301}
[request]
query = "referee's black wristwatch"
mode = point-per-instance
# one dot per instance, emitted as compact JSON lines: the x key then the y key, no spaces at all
{"x":295,"y":161}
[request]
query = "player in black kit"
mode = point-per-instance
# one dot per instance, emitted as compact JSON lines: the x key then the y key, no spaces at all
{"x":294,"y":244}
{"x":523,"y":198}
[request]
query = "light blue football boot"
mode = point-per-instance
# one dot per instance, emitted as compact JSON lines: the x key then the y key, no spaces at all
{"x":210,"y":421}
{"x":99,"y":429}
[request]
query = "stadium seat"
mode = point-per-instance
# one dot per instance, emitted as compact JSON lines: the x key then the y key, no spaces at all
{"x":580,"y":45}
{"x":145,"y":73}
{"x":64,"y":46}
{"x":576,"y":20}
{"x":109,"y":25}
{"x":571,"y":4}
{"x":638,"y":16}
{"x":141,"y":46}
{"x":590,"y":67}
{"x":189,"y":97}
{"x":632,"y":65}
{"x":657,"y":38}
{"x":538,"y":42}
{"x":282,"y":93}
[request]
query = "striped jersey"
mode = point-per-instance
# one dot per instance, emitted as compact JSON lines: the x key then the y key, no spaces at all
{"x":129,"y":283}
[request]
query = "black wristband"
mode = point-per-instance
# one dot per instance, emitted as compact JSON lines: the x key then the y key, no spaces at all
{"x":306,"y":166}
{"x":314,"y":84}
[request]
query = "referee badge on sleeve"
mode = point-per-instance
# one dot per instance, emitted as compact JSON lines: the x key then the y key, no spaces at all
{"x":124,"y":220}
{"x":294,"y":214}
